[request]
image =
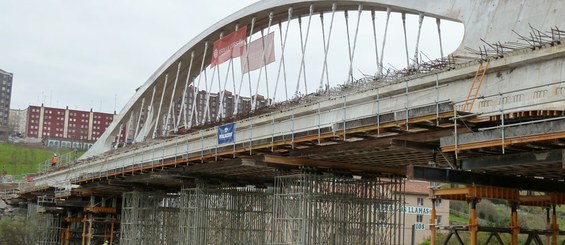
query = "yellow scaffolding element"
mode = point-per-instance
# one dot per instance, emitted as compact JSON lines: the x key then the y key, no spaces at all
{"x":475,"y":87}
{"x":474,"y":194}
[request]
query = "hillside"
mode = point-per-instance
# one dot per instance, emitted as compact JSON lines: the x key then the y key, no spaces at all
{"x":20,"y":160}
{"x":495,"y":213}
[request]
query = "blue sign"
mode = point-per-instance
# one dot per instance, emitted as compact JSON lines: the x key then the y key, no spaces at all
{"x":226,"y":133}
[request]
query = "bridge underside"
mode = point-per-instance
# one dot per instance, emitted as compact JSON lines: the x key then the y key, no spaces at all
{"x":359,"y":160}
{"x":533,"y":152}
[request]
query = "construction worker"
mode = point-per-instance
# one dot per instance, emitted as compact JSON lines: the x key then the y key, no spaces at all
{"x":105,"y":242}
{"x":54,"y":160}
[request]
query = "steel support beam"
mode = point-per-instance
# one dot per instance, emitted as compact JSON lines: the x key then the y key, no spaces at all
{"x":467,"y":177}
{"x":553,"y":156}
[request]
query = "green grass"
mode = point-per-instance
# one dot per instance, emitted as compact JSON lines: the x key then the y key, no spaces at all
{"x":453,"y":218}
{"x":20,"y":160}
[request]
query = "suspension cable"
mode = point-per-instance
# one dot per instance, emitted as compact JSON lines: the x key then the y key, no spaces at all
{"x":303,"y":44}
{"x":326,"y":47}
{"x":384,"y":40}
{"x":183,"y":107}
{"x":139,"y":118}
{"x":375,"y":39}
{"x":352,"y":53}
{"x":420,"y":21}
{"x":438,"y":23}
{"x":168,"y":117}
{"x":254,"y":104}
{"x":282,"y":64}
{"x":194,"y":113}
{"x":160,"y":105}
{"x":405,"y":39}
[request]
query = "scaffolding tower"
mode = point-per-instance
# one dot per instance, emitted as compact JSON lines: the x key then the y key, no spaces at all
{"x":46,"y":226}
{"x":149,"y":218}
{"x":300,"y":209}
{"x":316,"y":209}
{"x":234,"y":215}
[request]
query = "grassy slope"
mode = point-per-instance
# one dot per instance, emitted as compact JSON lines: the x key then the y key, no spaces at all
{"x":19,"y":160}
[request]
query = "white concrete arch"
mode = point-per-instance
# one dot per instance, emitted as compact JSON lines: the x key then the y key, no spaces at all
{"x":491,"y":20}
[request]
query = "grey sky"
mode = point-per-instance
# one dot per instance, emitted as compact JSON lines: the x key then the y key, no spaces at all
{"x":82,"y":53}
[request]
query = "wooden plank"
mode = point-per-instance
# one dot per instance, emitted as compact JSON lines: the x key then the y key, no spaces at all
{"x":289,"y":161}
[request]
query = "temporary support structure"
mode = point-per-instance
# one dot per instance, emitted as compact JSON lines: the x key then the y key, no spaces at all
{"x":300,"y":209}
{"x":149,"y":218}
{"x":234,"y":215}
{"x":474,"y":194}
{"x":46,"y":225}
{"x":99,"y":224}
{"x":314,"y":209}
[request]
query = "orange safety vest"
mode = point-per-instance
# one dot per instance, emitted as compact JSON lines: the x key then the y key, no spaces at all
{"x":54,"y":160}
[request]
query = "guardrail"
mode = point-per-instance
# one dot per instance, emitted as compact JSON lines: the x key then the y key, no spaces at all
{"x":64,"y":160}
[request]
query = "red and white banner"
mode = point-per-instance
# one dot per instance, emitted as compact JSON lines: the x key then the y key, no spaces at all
{"x":261,"y":53}
{"x":230,"y":46}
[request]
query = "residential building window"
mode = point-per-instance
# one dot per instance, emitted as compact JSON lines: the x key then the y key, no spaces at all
{"x":420,"y":201}
{"x":419,"y":218}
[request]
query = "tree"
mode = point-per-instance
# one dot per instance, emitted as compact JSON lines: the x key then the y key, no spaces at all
{"x":15,"y":230}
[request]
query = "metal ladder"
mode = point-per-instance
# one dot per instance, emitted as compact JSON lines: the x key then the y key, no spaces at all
{"x":475,"y":87}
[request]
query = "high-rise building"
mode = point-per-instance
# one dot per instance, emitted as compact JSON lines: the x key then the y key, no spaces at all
{"x":5,"y":97}
{"x":17,"y":122}
{"x":66,"y":128}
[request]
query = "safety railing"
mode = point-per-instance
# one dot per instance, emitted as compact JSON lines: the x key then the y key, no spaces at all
{"x":509,"y":102}
{"x":63,"y":161}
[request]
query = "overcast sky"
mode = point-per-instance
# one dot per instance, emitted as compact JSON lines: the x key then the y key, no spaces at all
{"x":82,"y":54}
{"x":94,"y":54}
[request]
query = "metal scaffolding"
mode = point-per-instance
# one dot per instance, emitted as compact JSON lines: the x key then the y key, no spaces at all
{"x":315,"y":209}
{"x":46,"y":226}
{"x":236,"y":215}
{"x":301,"y":209}
{"x":149,"y":218}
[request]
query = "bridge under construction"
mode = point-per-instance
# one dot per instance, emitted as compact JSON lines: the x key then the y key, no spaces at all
{"x":327,"y":165}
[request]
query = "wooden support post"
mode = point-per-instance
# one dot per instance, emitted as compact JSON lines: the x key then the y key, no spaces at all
{"x":549,"y":225}
{"x":106,"y":232}
{"x":554,"y":226}
{"x":112,"y":233}
{"x":514,"y":224}
{"x":433,"y":227}
{"x":473,"y":222}
{"x":67,"y":234}
{"x":84,"y":230}
{"x":89,"y":236}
